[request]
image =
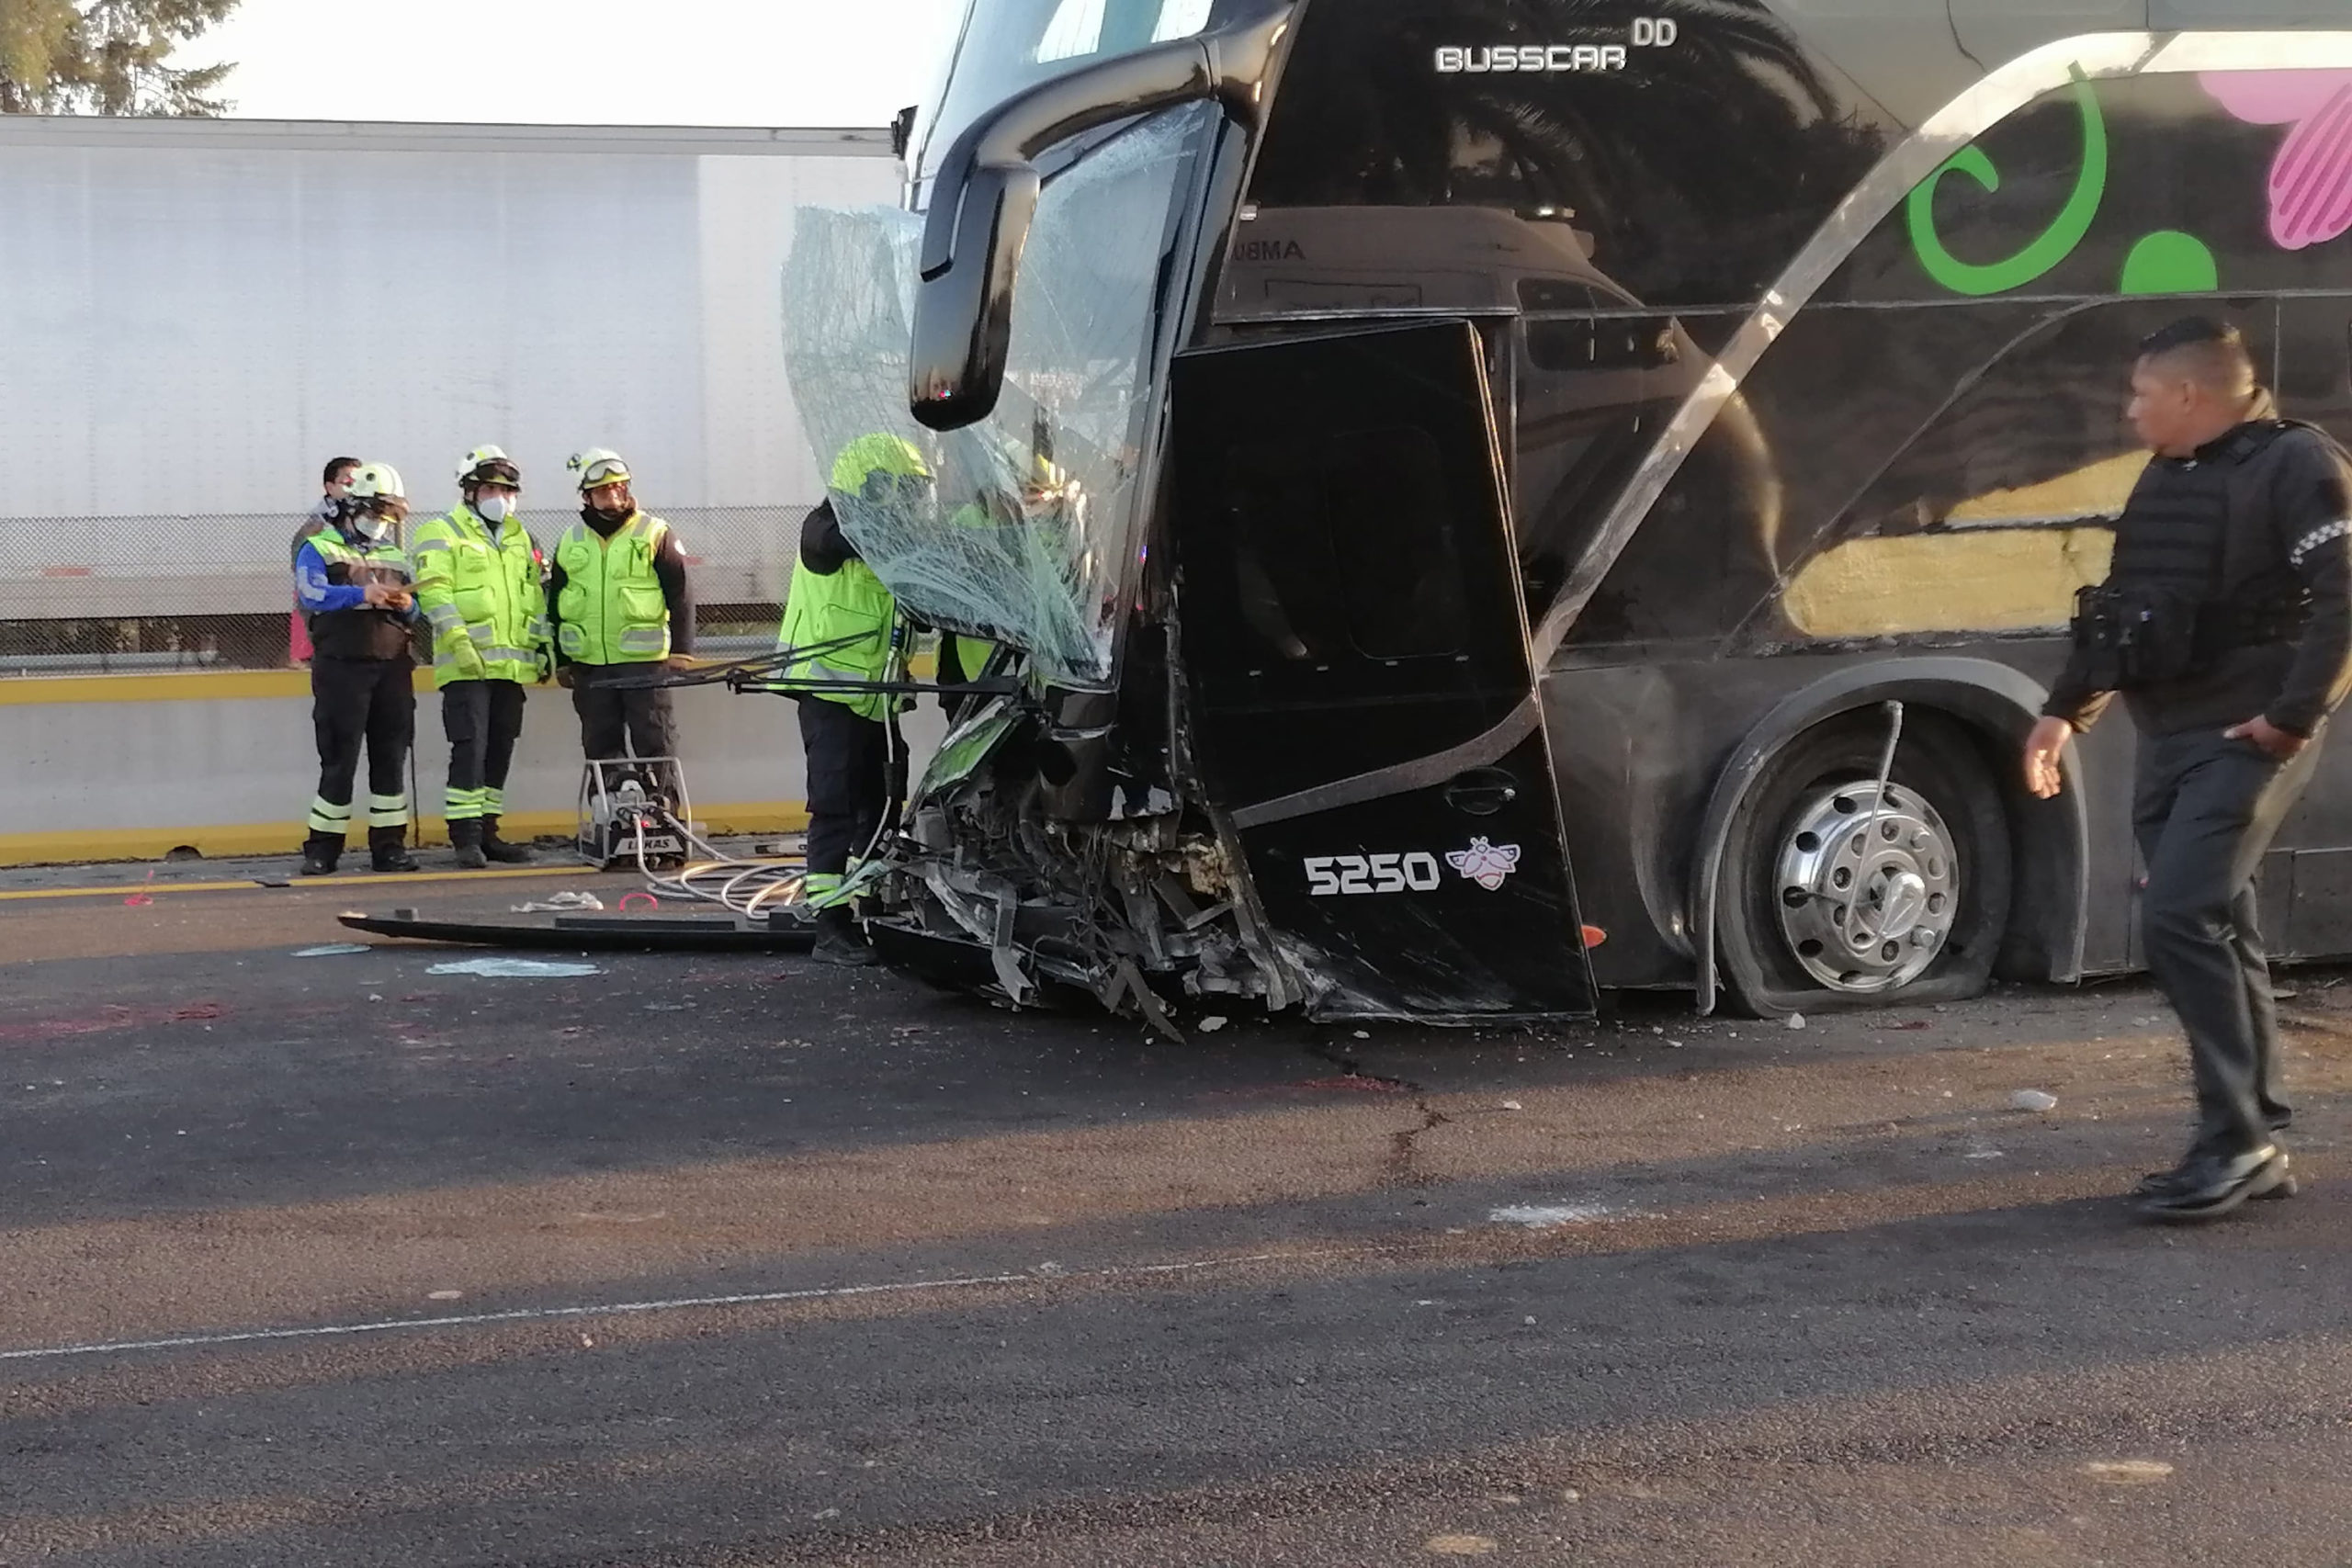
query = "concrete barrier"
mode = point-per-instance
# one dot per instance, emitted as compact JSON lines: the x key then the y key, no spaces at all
{"x":133,"y":767}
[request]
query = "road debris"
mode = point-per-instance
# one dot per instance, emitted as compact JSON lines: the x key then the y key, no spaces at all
{"x":334,"y":950}
{"x":1796,"y":1021}
{"x":1545,"y":1216}
{"x":555,"y":903}
{"x":2128,"y":1472}
{"x":2033,"y":1100}
{"x":515,"y":968}
{"x":1212,"y":1023}
{"x":1461,"y":1545}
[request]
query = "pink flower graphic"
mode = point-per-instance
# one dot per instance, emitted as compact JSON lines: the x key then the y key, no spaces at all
{"x":2311,"y":176}
{"x":1484,"y":864}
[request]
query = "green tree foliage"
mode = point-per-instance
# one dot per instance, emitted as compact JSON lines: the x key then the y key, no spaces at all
{"x":107,"y":57}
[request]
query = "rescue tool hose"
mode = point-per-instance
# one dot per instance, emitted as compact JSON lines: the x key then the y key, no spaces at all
{"x":755,"y":888}
{"x":895,"y":741}
{"x":747,"y":887}
{"x":767,"y":674}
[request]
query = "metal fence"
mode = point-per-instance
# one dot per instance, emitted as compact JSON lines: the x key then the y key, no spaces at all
{"x":80,"y":595}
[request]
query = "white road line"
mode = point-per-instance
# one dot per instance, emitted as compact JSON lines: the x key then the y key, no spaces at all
{"x":680,"y":1304}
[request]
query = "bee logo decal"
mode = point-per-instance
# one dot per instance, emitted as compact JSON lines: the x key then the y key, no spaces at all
{"x":1484,"y":864}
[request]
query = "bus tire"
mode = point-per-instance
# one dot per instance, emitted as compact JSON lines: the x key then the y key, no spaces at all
{"x":1828,"y":898}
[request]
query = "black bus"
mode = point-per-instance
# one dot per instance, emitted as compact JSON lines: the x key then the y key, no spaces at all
{"x":1488,"y":499}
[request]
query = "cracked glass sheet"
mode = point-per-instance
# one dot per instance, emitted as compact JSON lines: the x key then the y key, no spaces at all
{"x":1028,"y":533}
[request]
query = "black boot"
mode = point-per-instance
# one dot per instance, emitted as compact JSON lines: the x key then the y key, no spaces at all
{"x":321,"y":856}
{"x":465,"y":837}
{"x":499,"y":849}
{"x":839,"y":940}
{"x":387,"y":848}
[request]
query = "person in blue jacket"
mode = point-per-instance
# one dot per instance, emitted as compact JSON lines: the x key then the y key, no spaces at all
{"x":353,"y":582}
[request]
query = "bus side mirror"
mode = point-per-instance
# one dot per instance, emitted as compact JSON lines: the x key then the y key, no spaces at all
{"x":963,"y":323}
{"x":902,"y":132}
{"x":987,"y":188}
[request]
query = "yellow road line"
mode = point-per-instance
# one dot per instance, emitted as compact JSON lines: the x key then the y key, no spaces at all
{"x":238,"y":839}
{"x":127,"y":889}
{"x":366,"y":879}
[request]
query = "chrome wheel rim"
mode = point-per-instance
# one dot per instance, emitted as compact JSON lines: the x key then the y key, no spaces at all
{"x":1866,"y":890}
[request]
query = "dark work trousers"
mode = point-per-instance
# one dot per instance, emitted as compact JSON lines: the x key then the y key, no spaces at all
{"x":609,"y":713}
{"x":483,"y":720}
{"x":2205,"y":810}
{"x":357,"y":702}
{"x":848,"y":777}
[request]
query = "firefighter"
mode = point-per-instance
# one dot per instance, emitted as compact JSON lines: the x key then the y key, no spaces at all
{"x":353,"y":581}
{"x":478,"y":586}
{"x":623,"y":607}
{"x":839,"y":611}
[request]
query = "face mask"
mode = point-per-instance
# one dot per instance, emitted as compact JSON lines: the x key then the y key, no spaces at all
{"x":494,"y":508}
{"x":371,"y":526}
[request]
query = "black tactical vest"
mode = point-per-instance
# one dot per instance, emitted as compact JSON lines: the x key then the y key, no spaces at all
{"x":2193,"y":576}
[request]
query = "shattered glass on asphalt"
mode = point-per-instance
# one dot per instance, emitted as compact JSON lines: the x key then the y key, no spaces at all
{"x":1034,"y":525}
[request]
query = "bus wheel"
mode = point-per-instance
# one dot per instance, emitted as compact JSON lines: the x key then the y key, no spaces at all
{"x":1832,"y":893}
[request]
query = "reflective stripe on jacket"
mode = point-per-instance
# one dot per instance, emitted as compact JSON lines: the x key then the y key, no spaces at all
{"x":478,"y":586}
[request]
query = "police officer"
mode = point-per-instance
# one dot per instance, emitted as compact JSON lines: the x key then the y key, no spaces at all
{"x":335,"y":483}
{"x":2226,"y":622}
{"x":353,"y":581}
{"x":844,"y":617}
{"x":478,"y":585}
{"x":622,"y":607}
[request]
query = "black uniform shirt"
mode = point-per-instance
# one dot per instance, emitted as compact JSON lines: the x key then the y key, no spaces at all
{"x":2173,"y":534}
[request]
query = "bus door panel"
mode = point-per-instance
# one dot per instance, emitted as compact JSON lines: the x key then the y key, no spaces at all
{"x":1356,"y":654}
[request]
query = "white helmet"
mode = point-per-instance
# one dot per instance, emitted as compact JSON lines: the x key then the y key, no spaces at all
{"x":598,"y":466}
{"x":378,"y":479}
{"x":487,"y":465}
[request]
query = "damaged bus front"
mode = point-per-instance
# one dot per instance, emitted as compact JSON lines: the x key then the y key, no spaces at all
{"x":1209,"y":783}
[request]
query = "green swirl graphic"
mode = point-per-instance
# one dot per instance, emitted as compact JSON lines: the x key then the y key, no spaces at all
{"x":2053,"y":245}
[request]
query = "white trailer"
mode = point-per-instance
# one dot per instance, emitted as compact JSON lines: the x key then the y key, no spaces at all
{"x":196,"y":314}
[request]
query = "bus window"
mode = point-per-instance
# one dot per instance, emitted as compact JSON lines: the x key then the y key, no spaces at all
{"x":1011,"y":45}
{"x":1696,"y":171}
{"x":1592,"y":391}
{"x":2004,"y":501}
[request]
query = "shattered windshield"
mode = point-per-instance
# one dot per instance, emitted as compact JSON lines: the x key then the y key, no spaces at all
{"x":1009,"y":46}
{"x":1029,"y":525}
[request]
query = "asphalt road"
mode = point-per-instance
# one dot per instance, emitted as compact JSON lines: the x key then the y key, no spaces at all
{"x":721,"y":1261}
